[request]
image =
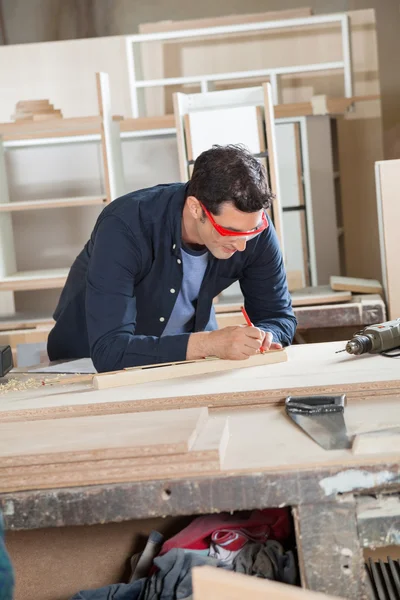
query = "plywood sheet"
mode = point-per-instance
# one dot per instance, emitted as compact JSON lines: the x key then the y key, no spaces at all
{"x":151,"y":373}
{"x":311,"y":368}
{"x":318,"y":295}
{"x":210,"y":583}
{"x":356,"y":285}
{"x":100,"y":437}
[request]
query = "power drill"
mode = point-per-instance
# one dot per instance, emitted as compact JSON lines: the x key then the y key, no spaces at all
{"x":375,"y":339}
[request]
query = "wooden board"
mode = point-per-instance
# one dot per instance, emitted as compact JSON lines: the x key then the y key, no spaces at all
{"x":152,"y":373}
{"x":387,"y":181}
{"x":211,"y":583}
{"x":355,"y":285}
{"x":318,"y":295}
{"x":386,"y":441}
{"x":310,"y":369}
{"x":265,"y":439}
{"x":206,"y":456}
{"x":100,"y":437}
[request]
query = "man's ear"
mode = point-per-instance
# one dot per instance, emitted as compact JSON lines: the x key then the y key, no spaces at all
{"x":194,"y":207}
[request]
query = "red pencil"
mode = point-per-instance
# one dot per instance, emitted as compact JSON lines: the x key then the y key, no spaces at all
{"x":249,"y":323}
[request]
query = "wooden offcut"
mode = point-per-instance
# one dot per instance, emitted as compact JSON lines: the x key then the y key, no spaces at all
{"x":355,"y":285}
{"x":212,"y":583}
{"x":36,"y":110}
{"x":318,"y":295}
{"x":386,"y":441}
{"x":160,"y":372}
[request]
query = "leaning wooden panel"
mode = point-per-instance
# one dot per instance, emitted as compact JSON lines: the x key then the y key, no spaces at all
{"x":356,"y":285}
{"x":100,"y":437}
{"x":162,"y":372}
{"x":387,"y":187}
{"x":211,"y":583}
{"x":272,"y":161}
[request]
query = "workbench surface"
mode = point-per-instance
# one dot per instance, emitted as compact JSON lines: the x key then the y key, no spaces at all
{"x":269,"y":462}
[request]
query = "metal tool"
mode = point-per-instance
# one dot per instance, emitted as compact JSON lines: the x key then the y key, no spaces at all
{"x":322,"y":418}
{"x":375,"y":339}
{"x":6,"y":360}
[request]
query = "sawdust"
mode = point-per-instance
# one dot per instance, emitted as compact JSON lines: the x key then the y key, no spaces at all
{"x":18,"y":385}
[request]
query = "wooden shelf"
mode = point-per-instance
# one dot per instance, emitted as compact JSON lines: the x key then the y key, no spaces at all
{"x":53,"y":203}
{"x":34,"y":280}
{"x":25,"y":320}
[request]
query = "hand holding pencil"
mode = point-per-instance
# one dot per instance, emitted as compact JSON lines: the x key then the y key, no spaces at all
{"x":267,"y":343}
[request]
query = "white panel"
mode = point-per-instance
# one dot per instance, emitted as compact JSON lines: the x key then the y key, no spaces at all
{"x":287,"y":164}
{"x":112,"y":140}
{"x":226,"y":126}
{"x":7,"y":254}
{"x":294,"y":259}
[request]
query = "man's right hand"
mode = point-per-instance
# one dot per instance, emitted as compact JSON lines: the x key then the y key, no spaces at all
{"x":232,"y":343}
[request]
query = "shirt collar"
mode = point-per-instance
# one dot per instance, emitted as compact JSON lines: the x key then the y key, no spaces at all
{"x":176,"y":205}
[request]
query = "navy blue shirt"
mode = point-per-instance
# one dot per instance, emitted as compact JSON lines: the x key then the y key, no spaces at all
{"x":117,"y":299}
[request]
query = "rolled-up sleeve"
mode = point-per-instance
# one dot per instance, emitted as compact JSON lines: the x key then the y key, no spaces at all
{"x":265,"y":290}
{"x":114,"y":266}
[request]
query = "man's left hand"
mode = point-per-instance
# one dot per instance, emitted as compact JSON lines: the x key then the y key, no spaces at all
{"x":268,"y":344}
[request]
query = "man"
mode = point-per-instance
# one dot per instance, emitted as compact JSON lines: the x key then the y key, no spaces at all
{"x":141,"y":290}
{"x":6,"y":570}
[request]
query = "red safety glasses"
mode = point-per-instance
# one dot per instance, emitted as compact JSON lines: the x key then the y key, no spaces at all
{"x":228,"y":232}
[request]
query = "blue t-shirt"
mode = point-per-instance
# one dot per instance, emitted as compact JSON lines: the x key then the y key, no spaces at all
{"x":194,"y":264}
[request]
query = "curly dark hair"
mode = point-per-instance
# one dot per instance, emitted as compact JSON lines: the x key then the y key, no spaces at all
{"x":230,"y":174}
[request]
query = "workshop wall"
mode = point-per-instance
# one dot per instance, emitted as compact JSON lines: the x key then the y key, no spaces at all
{"x":46,"y":20}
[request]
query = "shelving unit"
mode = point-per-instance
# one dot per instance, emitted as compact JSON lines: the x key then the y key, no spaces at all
{"x":207,"y":81}
{"x":106,"y":129}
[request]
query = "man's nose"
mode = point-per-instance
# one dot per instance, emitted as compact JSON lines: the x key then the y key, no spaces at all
{"x":240,"y":244}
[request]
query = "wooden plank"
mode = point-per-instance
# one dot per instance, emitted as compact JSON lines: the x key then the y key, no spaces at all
{"x":211,"y":583}
{"x":384,"y":441}
{"x":100,"y":437}
{"x":318,"y":295}
{"x":148,"y":123}
{"x":34,"y":280}
{"x":27,"y":320}
{"x":14,"y":337}
{"x":355,"y":285}
{"x":388,"y":179}
{"x":205,"y":456}
{"x":171,"y":25}
{"x":272,"y":161}
{"x":48,"y":128}
{"x":152,"y":373}
{"x":52,"y":203}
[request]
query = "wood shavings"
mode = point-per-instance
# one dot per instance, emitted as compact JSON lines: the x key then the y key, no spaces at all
{"x":17,"y":385}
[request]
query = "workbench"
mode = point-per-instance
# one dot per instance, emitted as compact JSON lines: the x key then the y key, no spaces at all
{"x":336,"y":496}
{"x":362,"y":310}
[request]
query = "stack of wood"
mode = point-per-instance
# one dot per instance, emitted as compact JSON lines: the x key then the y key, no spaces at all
{"x":35,"y":110}
{"x":102,"y":449}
